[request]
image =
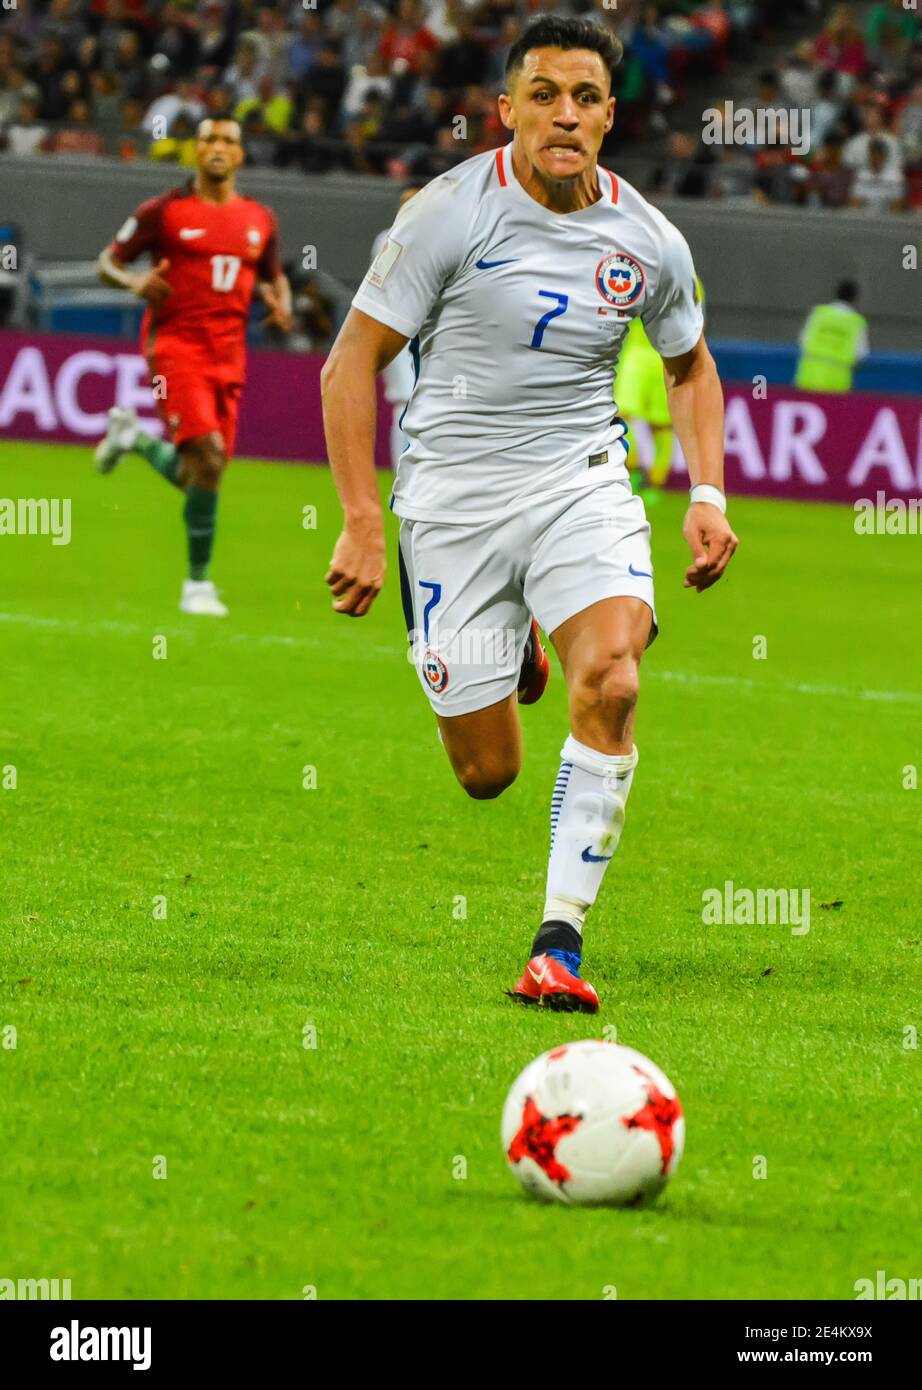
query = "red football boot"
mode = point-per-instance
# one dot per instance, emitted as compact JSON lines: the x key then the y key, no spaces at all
{"x":536,"y":669}
{"x":548,"y":981}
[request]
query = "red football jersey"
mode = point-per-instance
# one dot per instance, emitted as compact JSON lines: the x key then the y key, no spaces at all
{"x":216,"y":251}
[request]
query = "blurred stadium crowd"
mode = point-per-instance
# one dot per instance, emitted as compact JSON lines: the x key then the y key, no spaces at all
{"x":378,"y":86}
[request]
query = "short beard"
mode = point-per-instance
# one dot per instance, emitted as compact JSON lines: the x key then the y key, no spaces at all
{"x":563,"y":193}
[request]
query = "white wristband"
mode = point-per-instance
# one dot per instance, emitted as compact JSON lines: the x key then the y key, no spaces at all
{"x":704,"y":492}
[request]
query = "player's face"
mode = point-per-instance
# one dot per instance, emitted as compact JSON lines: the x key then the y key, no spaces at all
{"x":218,"y":151}
{"x":559,"y":107}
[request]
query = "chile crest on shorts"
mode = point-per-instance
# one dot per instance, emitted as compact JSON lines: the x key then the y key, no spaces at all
{"x":620,"y":279}
{"x":435,"y":672}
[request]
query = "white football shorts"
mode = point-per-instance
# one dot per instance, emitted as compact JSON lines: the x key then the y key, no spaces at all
{"x":469,"y":591}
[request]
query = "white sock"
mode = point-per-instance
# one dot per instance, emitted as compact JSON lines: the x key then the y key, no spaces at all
{"x":587,"y":816}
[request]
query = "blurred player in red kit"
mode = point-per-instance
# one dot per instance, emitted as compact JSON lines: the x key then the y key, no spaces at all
{"x":210,"y":246}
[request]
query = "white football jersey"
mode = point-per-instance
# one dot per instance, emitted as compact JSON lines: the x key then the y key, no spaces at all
{"x":517,"y":315}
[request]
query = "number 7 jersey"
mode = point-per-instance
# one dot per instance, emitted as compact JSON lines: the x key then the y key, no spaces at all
{"x":516,"y":316}
{"x":217,"y":252}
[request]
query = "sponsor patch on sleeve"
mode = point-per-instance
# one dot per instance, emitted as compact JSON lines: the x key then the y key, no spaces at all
{"x":384,"y":263}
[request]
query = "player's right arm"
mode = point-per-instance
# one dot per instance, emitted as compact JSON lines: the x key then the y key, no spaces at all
{"x":424,"y":247}
{"x":363,"y":347}
{"x":140,"y":234}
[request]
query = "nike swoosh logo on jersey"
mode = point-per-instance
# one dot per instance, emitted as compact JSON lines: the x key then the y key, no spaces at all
{"x":488,"y":265}
{"x":187,"y":233}
{"x":590,"y":858}
{"x":638,"y":574}
{"x":538,"y":979}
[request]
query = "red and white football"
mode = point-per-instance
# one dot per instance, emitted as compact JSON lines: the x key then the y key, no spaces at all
{"x":593,"y":1123}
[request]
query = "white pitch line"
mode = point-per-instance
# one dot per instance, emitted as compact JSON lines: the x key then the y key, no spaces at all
{"x":270,"y":639}
{"x":909,"y":697}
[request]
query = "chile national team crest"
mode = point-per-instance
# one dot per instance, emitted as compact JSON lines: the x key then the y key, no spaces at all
{"x":620,"y":279}
{"x":435,"y":672}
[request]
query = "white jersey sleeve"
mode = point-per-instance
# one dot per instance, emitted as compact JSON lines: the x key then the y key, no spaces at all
{"x":424,"y":248}
{"x":674,"y":319}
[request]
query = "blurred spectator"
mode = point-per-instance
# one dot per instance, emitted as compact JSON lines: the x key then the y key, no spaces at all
{"x":770,"y":111}
{"x":358,"y":157}
{"x":26,"y":135}
{"x":104,"y":99}
{"x":14,"y":87}
{"x":406,"y":36}
{"x":327,"y":77}
{"x":260,"y":142}
{"x":80,"y":136}
{"x":896,"y":17}
{"x":909,"y":126}
{"x":47,"y":71}
{"x":273,"y":41}
{"x":320,"y":303}
{"x":183,"y":99}
{"x":779,"y":177}
{"x":879,"y":187}
{"x":713,"y":17}
{"x":244,"y":73}
{"x":126,"y":63}
{"x":311,"y":149}
{"x":462,"y":61}
{"x":64,"y":20}
{"x":358,"y":24}
{"x":799,"y":77}
{"x":857,"y":149}
{"x":218,"y":101}
{"x":841,"y":45}
{"x":131,"y":138}
{"x":178,"y":146}
{"x":830,"y":181}
{"x":373,"y":78}
{"x":176,"y":38}
{"x":216,"y":38}
{"x":303,"y":50}
{"x":826,"y":110}
{"x":649,"y":45}
{"x":275,"y":108}
{"x":685,"y":172}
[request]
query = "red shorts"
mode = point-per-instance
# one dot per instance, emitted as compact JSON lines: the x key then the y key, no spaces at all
{"x":191,"y":403}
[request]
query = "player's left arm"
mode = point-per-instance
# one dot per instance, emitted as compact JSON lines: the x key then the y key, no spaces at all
{"x":696,"y":404}
{"x":674,"y":321}
{"x":272,"y":282}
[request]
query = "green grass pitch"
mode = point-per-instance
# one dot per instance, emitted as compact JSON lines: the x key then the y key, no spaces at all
{"x":336,"y":908}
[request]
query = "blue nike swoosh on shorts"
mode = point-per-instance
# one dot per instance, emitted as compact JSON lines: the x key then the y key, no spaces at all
{"x":638,"y":574}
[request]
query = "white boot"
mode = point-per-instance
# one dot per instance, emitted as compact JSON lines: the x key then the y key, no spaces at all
{"x":200,"y":596}
{"x":120,"y":438}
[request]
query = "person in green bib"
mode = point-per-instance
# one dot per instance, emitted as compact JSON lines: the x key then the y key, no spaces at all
{"x":833,"y":341}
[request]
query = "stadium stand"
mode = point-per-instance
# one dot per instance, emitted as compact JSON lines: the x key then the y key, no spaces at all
{"x":378,"y":89}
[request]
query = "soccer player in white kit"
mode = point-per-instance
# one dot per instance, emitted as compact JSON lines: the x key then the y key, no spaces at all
{"x":514,"y":277}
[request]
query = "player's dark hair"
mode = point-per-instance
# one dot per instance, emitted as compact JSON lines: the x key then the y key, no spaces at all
{"x":222,"y":116}
{"x":847,"y":290}
{"x":564,"y":31}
